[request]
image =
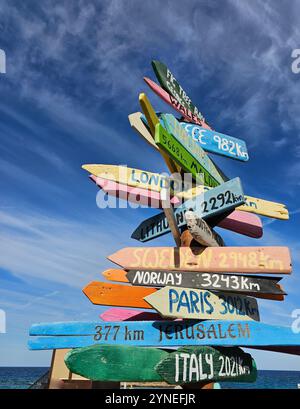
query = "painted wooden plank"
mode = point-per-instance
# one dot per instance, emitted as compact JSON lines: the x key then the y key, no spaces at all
{"x":170,"y":100}
{"x":188,"y":303}
{"x":198,"y":364}
{"x":153,"y":120}
{"x":216,"y":142}
{"x":252,"y":204}
{"x":244,"y":223}
{"x":174,"y":128}
{"x":181,"y":155}
{"x":210,"y":203}
{"x":170,"y":216}
{"x":138,"y":125}
{"x":247,"y":284}
{"x":135,"y":177}
{"x":276,"y":260}
{"x":137,"y":195}
{"x":116,"y":363}
{"x":171,"y":85}
{"x":101,"y":293}
{"x":139,"y":364}
{"x":164,"y":334}
{"x":201,"y":232}
{"x":123,"y":314}
{"x":154,"y":181}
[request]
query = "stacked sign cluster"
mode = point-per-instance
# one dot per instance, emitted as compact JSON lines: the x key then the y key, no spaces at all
{"x":204,"y":293}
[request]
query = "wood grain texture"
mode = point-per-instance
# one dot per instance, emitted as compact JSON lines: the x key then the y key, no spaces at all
{"x":201,"y":232}
{"x":101,"y":293}
{"x":164,"y":334}
{"x":116,"y":363}
{"x":175,"y":302}
{"x":196,"y":364}
{"x":252,"y":260}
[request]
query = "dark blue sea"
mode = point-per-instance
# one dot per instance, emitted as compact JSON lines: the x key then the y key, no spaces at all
{"x":22,"y":378}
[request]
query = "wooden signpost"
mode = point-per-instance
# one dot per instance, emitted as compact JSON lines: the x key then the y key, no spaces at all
{"x":170,"y":84}
{"x":164,"y":334}
{"x":221,"y":199}
{"x":216,"y":142}
{"x":182,"y":156}
{"x":175,"y":302}
{"x":196,"y":364}
{"x":170,"y":100}
{"x":201,"y":231}
{"x":253,"y":260}
{"x":137,"y":364}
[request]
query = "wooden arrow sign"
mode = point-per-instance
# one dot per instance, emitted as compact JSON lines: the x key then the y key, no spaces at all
{"x":251,"y":205}
{"x":138,"y":125}
{"x":135,"y":177}
{"x":198,"y":364}
{"x":117,"y":295}
{"x":247,"y":284}
{"x":194,"y":156}
{"x":216,"y":142}
{"x":210,"y":203}
{"x":175,"y":302}
{"x":170,"y":84}
{"x":124,"y":314}
{"x":74,"y":334}
{"x":201,"y":232}
{"x":138,"y":364}
{"x":244,"y":223}
{"x":137,"y":195}
{"x":253,"y":260}
{"x":170,"y":100}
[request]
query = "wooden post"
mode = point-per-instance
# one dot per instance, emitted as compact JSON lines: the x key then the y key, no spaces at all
{"x":169,"y":212}
{"x":186,"y":241}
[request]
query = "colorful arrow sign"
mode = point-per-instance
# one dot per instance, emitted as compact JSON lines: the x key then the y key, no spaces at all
{"x":210,"y":203}
{"x":198,"y":364}
{"x":171,"y":85}
{"x":164,"y":334}
{"x":175,"y":302}
{"x":216,"y":142}
{"x":138,"y":364}
{"x":276,"y":260}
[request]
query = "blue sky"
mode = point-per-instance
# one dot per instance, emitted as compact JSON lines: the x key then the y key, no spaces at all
{"x":74,"y":73}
